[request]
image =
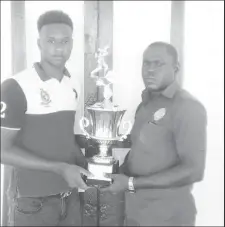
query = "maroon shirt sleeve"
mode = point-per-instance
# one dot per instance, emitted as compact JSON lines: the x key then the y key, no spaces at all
{"x":13,"y":105}
{"x":190,"y":131}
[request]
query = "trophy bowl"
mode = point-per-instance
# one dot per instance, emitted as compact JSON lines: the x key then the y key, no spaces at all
{"x":103,"y":127}
{"x":105,"y":123}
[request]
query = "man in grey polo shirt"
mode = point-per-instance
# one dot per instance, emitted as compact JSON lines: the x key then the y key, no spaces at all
{"x":168,"y":147}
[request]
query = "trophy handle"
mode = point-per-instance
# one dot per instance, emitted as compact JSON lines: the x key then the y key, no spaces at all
{"x":84,"y":122}
{"x":124,"y":136}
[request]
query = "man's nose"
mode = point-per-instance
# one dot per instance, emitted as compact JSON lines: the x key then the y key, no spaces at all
{"x":59,"y":47}
{"x":151,"y":69}
{"x":151,"y":72}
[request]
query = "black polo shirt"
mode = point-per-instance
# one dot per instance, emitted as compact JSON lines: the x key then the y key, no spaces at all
{"x":42,"y":110}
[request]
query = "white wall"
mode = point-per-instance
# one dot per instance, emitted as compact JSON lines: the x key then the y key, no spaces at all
{"x":6,"y":60}
{"x":204,"y":77}
{"x":136,"y":25}
{"x":74,"y":9}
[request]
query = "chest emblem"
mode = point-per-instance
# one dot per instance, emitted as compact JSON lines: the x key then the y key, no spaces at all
{"x":45,"y":98}
{"x":159,"y":114}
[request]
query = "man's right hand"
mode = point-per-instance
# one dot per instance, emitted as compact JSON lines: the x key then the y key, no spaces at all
{"x":73,"y":175}
{"x":15,"y":156}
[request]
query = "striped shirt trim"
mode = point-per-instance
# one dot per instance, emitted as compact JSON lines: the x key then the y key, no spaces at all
{"x":14,"y":129}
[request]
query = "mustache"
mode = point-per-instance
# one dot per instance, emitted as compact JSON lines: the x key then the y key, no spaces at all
{"x":147,"y":77}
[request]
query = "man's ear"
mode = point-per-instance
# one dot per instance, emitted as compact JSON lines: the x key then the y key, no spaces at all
{"x":39,"y":43}
{"x":177,"y":67}
{"x":72,"y":43}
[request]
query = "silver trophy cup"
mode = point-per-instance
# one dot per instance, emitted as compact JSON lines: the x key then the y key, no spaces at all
{"x":103,"y":124}
{"x":103,"y":127}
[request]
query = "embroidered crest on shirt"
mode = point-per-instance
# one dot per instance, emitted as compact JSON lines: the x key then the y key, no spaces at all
{"x":45,"y":98}
{"x":159,"y":114}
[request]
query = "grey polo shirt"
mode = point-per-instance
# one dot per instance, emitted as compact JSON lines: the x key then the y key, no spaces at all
{"x":167,"y":126}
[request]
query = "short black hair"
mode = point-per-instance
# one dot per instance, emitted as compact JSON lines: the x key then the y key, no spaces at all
{"x":171,"y":50}
{"x":54,"y":17}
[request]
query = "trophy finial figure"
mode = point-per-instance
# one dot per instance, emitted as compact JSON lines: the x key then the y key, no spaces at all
{"x":107,"y":79}
{"x":101,"y":64}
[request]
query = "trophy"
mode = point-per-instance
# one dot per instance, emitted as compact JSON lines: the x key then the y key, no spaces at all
{"x":103,"y":126}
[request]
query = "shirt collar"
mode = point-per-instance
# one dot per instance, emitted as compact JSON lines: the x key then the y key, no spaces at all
{"x":169,"y":92}
{"x":41,"y":73}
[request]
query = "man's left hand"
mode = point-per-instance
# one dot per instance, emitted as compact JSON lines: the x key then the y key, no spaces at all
{"x":120,"y":183}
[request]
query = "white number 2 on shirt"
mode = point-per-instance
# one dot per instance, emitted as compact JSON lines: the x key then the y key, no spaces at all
{"x":3,"y":108}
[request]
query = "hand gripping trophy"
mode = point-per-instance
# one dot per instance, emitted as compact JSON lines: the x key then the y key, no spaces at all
{"x":104,"y":123}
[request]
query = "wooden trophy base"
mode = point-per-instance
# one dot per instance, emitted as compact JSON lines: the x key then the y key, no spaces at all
{"x":99,"y":169}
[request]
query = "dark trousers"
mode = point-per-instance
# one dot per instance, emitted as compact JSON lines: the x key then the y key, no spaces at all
{"x":55,"y":210}
{"x":176,"y":210}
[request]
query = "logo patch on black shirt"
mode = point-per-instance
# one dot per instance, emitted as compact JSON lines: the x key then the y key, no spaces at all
{"x":45,"y":98}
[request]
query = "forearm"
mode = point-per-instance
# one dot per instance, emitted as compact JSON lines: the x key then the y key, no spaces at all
{"x":18,"y":157}
{"x":176,"y":176}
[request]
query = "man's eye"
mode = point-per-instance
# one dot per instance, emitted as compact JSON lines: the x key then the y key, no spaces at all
{"x":159,"y":64}
{"x":65,"y":41}
{"x":51,"y":41}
